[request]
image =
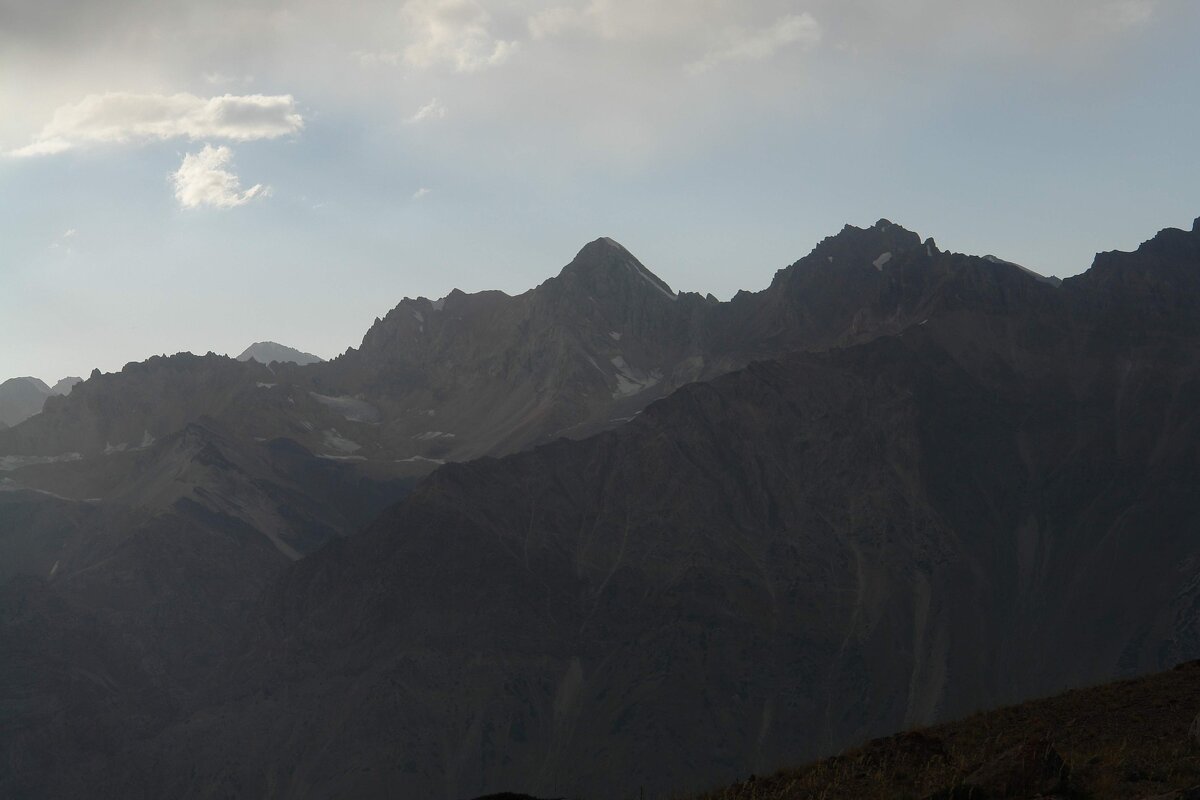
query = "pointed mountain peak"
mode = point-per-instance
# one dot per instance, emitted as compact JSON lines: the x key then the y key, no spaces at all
{"x":36,"y":383}
{"x":266,"y":352}
{"x":604,"y":266}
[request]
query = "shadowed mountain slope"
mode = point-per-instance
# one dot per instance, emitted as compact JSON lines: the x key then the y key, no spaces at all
{"x":987,"y":493}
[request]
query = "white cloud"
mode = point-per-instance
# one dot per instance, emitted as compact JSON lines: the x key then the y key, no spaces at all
{"x":420,"y":194}
{"x":63,"y":243}
{"x":221,"y":79}
{"x":434,"y":109}
{"x":44,"y":147}
{"x":762,"y":43}
{"x":453,"y":32}
{"x":555,"y":21}
{"x":118,"y":117}
{"x":202,"y":180}
{"x":1124,"y":14}
{"x":578,"y":76}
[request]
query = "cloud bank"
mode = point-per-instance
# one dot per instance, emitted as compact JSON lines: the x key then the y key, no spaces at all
{"x":120,"y":117}
{"x":451,"y":33}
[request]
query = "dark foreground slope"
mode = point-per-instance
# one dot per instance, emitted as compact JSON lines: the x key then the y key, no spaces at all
{"x":1130,"y":740}
{"x":995,"y":504}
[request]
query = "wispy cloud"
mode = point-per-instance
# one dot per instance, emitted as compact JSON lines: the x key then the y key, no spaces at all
{"x":420,"y":194}
{"x":63,"y":242}
{"x":454,"y":33}
{"x":203,"y":180}
{"x":762,"y":43}
{"x":118,"y":117}
{"x":434,"y":109}
{"x":1124,"y":14}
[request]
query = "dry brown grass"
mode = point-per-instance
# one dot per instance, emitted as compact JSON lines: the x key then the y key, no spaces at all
{"x":1122,"y":740}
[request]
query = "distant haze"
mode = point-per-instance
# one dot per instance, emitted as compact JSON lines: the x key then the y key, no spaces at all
{"x":21,"y":398}
{"x":179,"y":176}
{"x":266,"y":352}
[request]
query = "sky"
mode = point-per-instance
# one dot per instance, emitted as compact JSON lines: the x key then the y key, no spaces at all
{"x":200,"y":176}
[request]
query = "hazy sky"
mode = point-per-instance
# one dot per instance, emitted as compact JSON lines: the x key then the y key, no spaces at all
{"x":198,"y":176}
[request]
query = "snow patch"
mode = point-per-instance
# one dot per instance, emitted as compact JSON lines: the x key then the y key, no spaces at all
{"x":880,"y":262}
{"x":7,"y":485}
{"x":430,"y":435}
{"x":354,"y":409}
{"x":109,"y":449}
{"x":262,"y":385}
{"x":631,"y":381}
{"x":418,"y":316}
{"x":341,"y":458}
{"x":335,"y":441}
{"x":616,"y":337}
{"x":410,"y":459}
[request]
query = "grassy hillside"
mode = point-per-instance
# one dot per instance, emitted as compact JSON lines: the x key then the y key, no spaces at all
{"x":1132,"y":739}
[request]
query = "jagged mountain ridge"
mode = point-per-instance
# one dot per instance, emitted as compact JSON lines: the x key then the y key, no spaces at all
{"x":489,"y":374}
{"x":777,"y":562}
{"x":579,"y":353}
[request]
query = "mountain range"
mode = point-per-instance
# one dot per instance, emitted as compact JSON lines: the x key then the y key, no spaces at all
{"x":604,"y":536}
{"x":21,"y":398}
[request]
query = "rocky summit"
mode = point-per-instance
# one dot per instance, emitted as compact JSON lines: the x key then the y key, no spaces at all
{"x":271,"y":352}
{"x":661,"y":542}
